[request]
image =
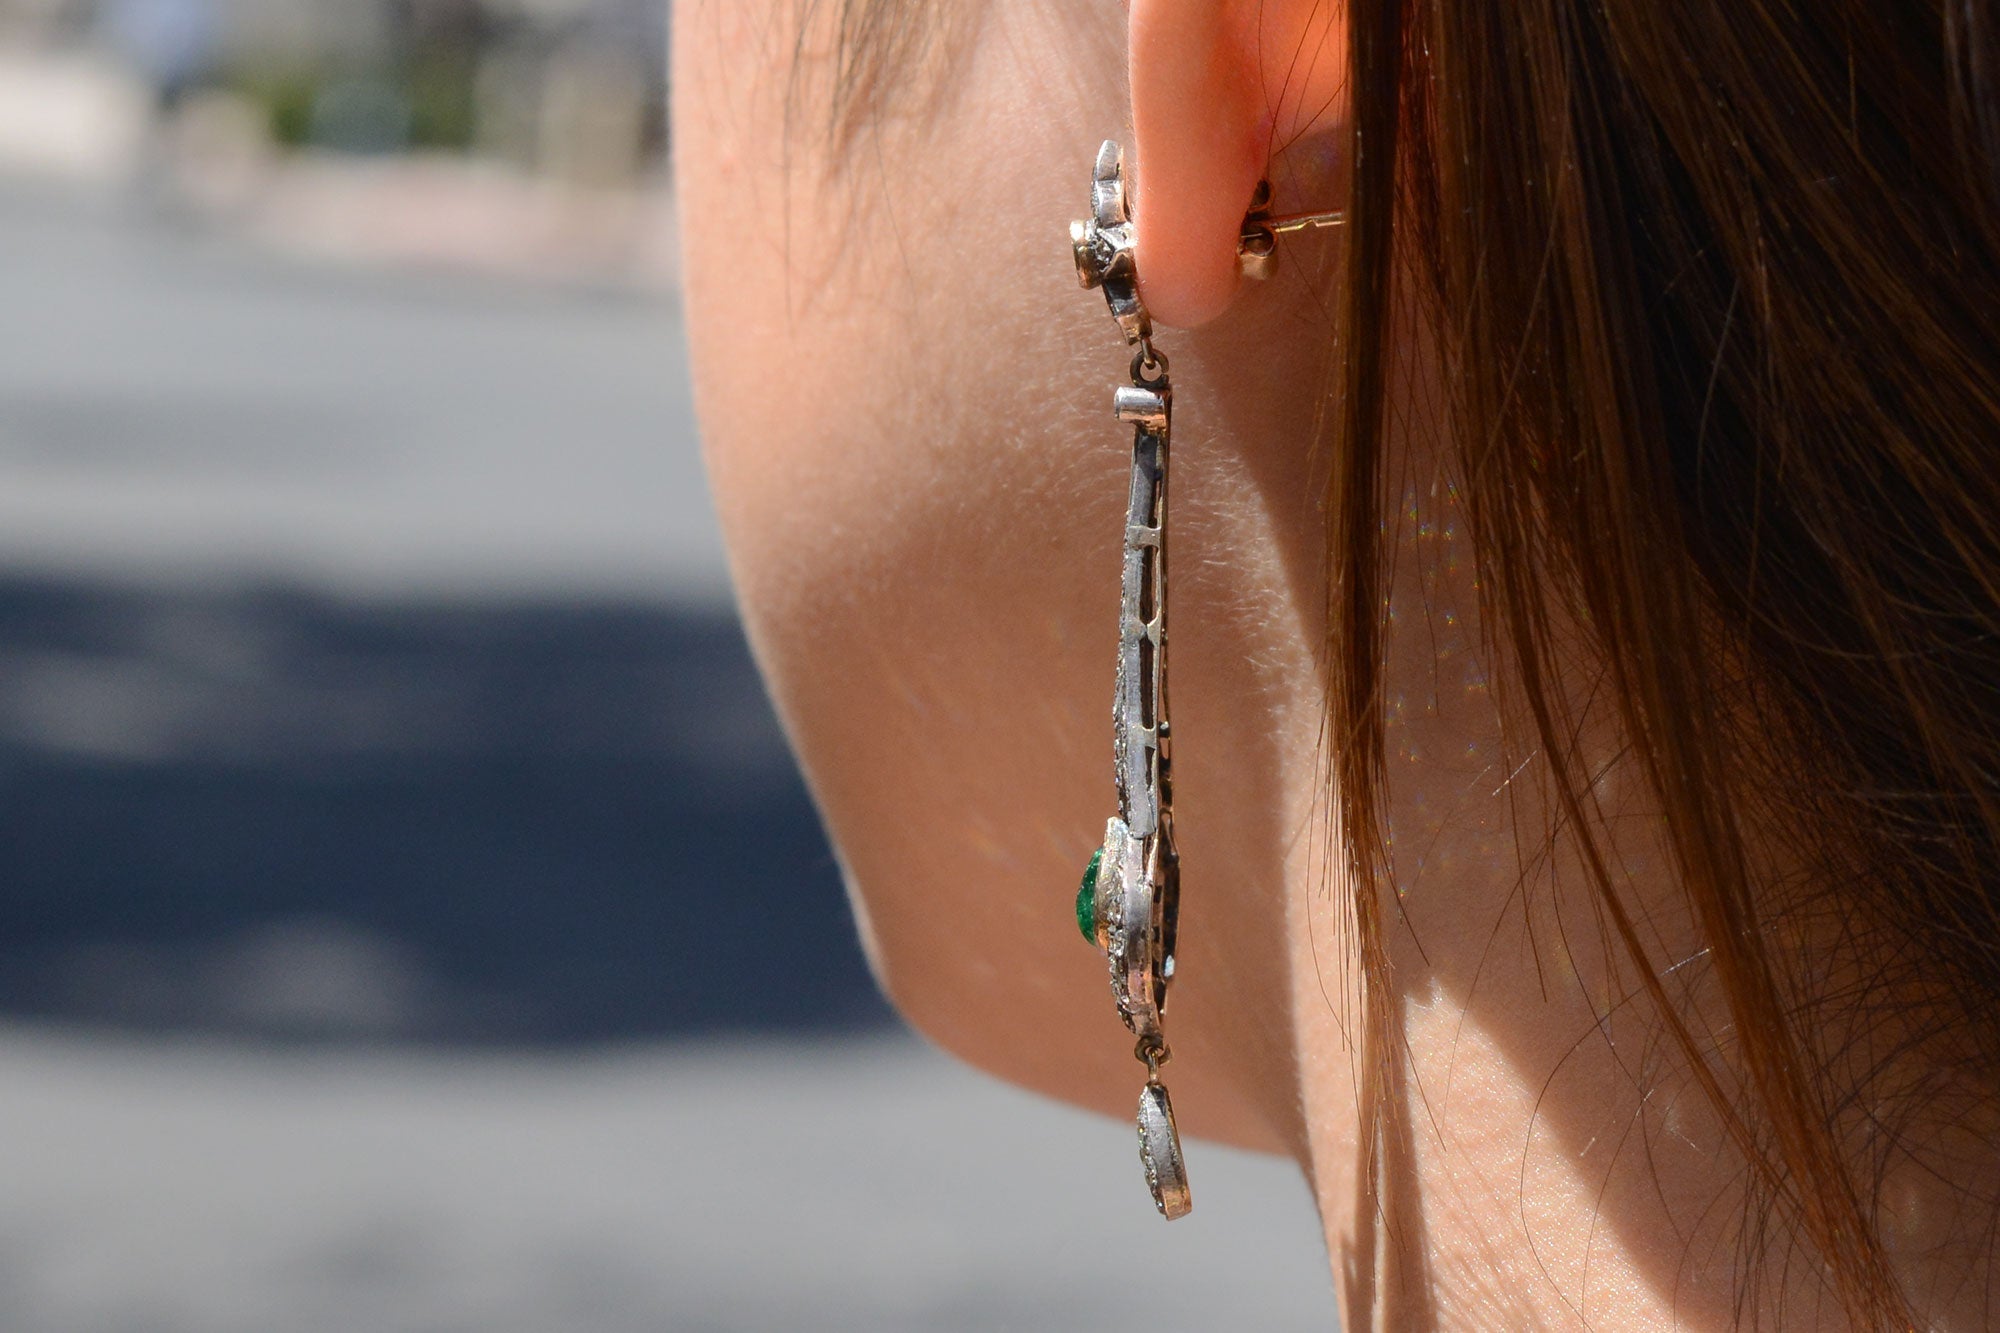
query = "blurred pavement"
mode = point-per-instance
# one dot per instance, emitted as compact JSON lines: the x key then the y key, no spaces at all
{"x":864,"y":1186}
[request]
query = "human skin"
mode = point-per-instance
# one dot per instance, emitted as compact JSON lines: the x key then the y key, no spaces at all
{"x":904,"y":400}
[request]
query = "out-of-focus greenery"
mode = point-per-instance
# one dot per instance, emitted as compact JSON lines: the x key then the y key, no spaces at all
{"x":443,"y":112}
{"x":286,"y":97}
{"x":426,"y":102}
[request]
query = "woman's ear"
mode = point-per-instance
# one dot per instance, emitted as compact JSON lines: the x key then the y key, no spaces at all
{"x":1215,"y":85}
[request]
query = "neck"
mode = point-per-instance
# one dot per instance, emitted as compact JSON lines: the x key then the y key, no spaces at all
{"x":1546,"y":1156}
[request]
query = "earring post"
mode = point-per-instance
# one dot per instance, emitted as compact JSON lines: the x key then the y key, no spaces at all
{"x":1295,"y":221}
{"x":1257,"y":243}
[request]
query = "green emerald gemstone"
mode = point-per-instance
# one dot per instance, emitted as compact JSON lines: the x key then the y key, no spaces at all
{"x":1086,"y":898}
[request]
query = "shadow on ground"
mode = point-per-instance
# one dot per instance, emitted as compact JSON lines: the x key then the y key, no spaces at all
{"x":271,"y":813}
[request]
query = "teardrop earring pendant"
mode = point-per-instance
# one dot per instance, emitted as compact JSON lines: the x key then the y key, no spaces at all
{"x":1129,"y":902}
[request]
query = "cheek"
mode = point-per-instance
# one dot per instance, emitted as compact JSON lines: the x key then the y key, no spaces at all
{"x":910,"y":544}
{"x":928,"y":568}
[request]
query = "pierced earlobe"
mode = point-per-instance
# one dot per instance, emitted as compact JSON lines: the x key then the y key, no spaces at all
{"x":1218,"y":86}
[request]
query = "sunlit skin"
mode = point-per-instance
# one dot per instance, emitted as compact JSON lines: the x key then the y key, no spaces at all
{"x":904,"y":398}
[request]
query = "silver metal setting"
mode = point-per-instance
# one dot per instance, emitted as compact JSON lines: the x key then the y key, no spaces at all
{"x":1131,"y":911}
{"x":1160,"y":1152}
{"x":1138,"y":880}
{"x":1102,"y":245}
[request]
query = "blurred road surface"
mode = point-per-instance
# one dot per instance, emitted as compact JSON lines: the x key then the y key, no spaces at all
{"x":174,"y":405}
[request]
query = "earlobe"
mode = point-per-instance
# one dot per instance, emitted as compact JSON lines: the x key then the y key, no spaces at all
{"x":1199,"y":146}
{"x":1215,"y":83}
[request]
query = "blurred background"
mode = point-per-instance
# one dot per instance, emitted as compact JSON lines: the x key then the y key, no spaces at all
{"x":410,"y":917}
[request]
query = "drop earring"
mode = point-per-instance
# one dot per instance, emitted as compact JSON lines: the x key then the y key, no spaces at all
{"x":1129,"y":902}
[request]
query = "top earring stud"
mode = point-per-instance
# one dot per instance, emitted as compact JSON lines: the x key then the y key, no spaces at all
{"x":1103,"y":244}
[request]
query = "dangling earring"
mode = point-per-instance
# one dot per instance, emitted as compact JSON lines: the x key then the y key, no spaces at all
{"x":1129,"y":903}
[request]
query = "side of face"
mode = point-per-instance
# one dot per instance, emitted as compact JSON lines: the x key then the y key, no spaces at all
{"x":905,"y":402}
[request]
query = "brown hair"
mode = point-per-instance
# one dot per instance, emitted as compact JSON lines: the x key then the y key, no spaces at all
{"x":1719,"y":281}
{"x":1715,"y":286}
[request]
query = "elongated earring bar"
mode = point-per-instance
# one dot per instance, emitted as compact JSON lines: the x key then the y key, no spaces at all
{"x":1130,"y":899}
{"x":1129,"y":903}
